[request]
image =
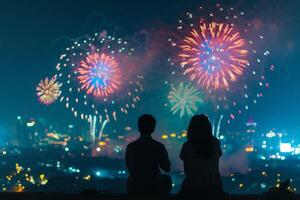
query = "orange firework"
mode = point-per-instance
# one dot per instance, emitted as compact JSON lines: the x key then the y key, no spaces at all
{"x":48,"y":90}
{"x":213,"y":55}
{"x":99,"y":75}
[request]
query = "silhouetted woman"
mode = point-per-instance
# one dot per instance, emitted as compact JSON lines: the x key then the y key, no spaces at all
{"x":200,"y":156}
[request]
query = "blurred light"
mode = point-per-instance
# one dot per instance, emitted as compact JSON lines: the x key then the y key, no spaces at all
{"x":286,"y":147}
{"x":67,"y":149}
{"x":98,"y":149}
{"x":184,"y":134}
{"x":87,"y":178}
{"x":121,"y":137}
{"x":98,"y":173}
{"x":263,"y":185}
{"x":71,"y":126}
{"x":164,"y":137}
{"x":173,"y":135}
{"x":249,"y":149}
{"x":30,"y":124}
{"x":53,"y":135}
{"x":121,"y":172}
{"x":263,"y":157}
{"x":297,"y":150}
{"x":221,"y":137}
{"x":270,"y":134}
{"x":102,"y":143}
{"x":118,"y":149}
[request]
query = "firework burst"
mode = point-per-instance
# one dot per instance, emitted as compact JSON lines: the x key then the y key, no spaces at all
{"x":222,"y":52}
{"x":48,"y":90}
{"x":184,"y":100}
{"x":99,"y":75}
{"x":213,"y":55}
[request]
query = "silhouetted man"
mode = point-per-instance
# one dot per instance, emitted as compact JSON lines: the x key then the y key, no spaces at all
{"x":144,"y":159}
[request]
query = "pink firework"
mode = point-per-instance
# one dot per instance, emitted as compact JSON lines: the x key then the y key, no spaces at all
{"x":213,"y":55}
{"x":99,"y":74}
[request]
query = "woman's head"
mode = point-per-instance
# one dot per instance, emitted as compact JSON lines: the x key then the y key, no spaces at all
{"x":200,"y":136}
{"x":199,"y":128}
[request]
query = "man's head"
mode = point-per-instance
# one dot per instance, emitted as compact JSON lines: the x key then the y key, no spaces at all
{"x":146,"y":124}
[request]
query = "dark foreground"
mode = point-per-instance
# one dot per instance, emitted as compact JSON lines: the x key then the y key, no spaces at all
{"x":92,"y":196}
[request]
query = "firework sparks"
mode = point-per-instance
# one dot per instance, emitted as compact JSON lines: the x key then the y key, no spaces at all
{"x":213,"y":55}
{"x":184,"y":100}
{"x":99,"y":75}
{"x":48,"y":91}
{"x":223,"y":53}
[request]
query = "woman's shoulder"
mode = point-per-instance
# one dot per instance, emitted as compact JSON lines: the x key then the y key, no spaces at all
{"x":184,"y":150}
{"x":186,"y":144}
{"x":187,"y":147}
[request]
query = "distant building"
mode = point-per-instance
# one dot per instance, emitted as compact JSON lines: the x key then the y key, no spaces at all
{"x":251,"y":133}
{"x":19,"y":133}
{"x":27,"y":131}
{"x":251,"y":126}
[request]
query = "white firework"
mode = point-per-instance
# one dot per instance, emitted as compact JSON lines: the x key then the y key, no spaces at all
{"x":184,"y":99}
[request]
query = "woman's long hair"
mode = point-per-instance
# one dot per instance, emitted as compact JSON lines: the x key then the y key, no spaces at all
{"x":199,"y":134}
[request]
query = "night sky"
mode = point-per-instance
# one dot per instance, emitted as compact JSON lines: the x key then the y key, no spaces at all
{"x":34,"y":33}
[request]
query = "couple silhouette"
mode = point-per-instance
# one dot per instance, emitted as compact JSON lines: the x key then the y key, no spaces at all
{"x":146,"y":158}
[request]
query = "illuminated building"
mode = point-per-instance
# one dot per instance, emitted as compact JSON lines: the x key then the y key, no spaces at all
{"x":251,"y":126}
{"x":21,"y":133}
{"x":251,"y":133}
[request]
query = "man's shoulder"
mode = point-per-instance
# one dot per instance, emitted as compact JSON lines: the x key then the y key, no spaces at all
{"x":158,"y":144}
{"x":131,"y":144}
{"x":151,"y":142}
